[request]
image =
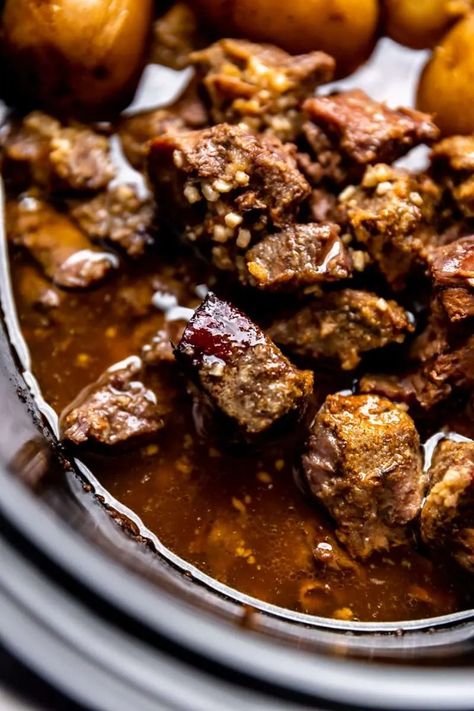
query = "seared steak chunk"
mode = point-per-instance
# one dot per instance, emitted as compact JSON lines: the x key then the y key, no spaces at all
{"x":392,"y":214}
{"x":299,"y":256}
{"x":453,"y":165}
{"x":259,"y":84}
{"x":447,"y":517}
{"x":224,"y":188}
{"x":363,"y":463}
{"x":64,"y":253}
{"x":368,"y":131}
{"x":341,"y":325}
{"x":72,"y":158}
{"x":442,"y":362}
{"x":240,"y":371}
{"x":118,"y":215}
{"x":117,"y":409}
{"x":452,"y":269}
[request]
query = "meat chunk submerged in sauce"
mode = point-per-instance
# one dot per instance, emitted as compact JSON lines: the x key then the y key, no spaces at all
{"x":447,"y":518}
{"x":239,"y":369}
{"x":363,"y":462}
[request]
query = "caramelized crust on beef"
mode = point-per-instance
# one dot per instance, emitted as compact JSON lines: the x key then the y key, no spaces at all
{"x":40,"y":151}
{"x":452,"y":270}
{"x":259,"y":84}
{"x":176,"y":34}
{"x":453,"y":166}
{"x":299,"y":256}
{"x":392,"y":213}
{"x":224,"y":188}
{"x":363,"y":463}
{"x":239,"y":370}
{"x":117,"y":409}
{"x":118,"y":215}
{"x":447,"y":517}
{"x":342,"y":326}
{"x":367,"y":131}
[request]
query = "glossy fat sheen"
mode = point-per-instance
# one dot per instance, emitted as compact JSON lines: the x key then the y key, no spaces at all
{"x":446,"y":86}
{"x":75,"y":54}
{"x":421,"y":23}
{"x":343,"y":28}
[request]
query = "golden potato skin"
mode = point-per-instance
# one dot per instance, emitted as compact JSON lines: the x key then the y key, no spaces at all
{"x":420,"y":24}
{"x":346,"y":29}
{"x":446,"y":87}
{"x":75,"y":56}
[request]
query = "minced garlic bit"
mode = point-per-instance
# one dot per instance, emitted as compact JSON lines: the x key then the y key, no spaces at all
{"x":209,"y":193}
{"x":232,"y":220}
{"x":192,"y":194}
{"x":243,"y":238}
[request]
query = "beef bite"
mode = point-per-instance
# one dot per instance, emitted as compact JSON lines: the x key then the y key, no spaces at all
{"x":368,"y":131}
{"x":393,"y":214}
{"x":363,"y":463}
{"x":224,"y":188}
{"x":59,"y":158}
{"x":441,"y":363}
{"x":453,"y":166}
{"x":118,"y":215}
{"x":452,"y":270}
{"x":299,"y":256}
{"x":64,"y":253}
{"x":347,"y":131}
{"x":341,"y":326}
{"x":118,"y":409}
{"x":259,"y":84}
{"x":447,"y":517}
{"x":239,"y":370}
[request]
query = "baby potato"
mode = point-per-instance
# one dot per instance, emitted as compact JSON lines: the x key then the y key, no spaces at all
{"x":75,"y":56}
{"x":446,"y":87}
{"x":346,"y":29}
{"x":421,"y":23}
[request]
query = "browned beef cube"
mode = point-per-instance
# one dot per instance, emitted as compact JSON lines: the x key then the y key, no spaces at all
{"x":240,"y":371}
{"x":363,"y":463}
{"x":40,"y":150}
{"x":136,"y":132}
{"x":225,"y":187}
{"x":342,"y":325}
{"x":453,"y":165}
{"x":442,"y":358}
{"x":118,"y":215}
{"x":64,"y":253}
{"x":259,"y":84}
{"x":299,"y":256}
{"x":447,"y":517}
{"x":175,"y":35}
{"x":392,"y":213}
{"x":117,"y":409}
{"x":367,"y":131}
{"x":452,"y":269}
